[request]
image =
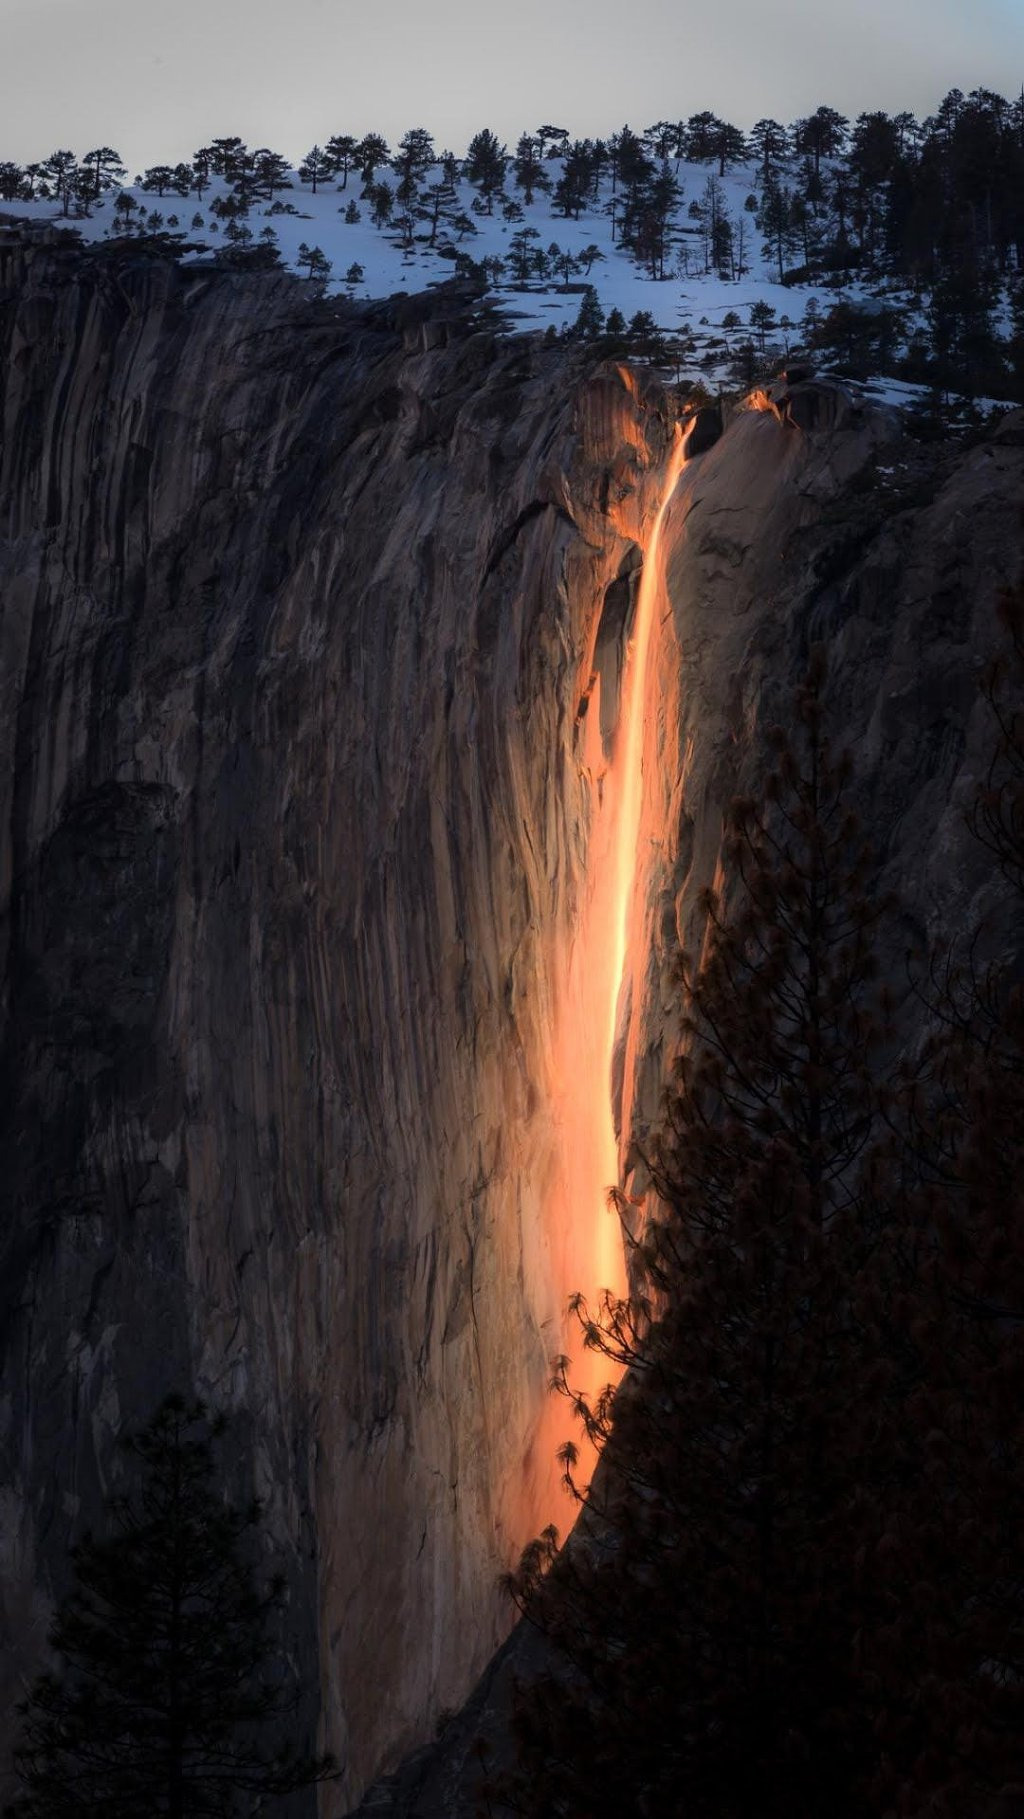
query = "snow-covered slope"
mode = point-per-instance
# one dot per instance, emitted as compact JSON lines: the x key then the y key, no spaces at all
{"x":675,"y":302}
{"x":707,"y":315}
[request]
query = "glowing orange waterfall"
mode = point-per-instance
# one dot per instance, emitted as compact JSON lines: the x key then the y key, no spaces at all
{"x":584,"y":1233}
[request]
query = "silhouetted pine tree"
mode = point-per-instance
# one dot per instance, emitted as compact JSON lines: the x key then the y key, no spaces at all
{"x":106,"y":167}
{"x":316,"y":166}
{"x":590,"y":319}
{"x":342,"y":153}
{"x":169,"y":1699}
{"x":530,"y":174}
{"x":486,"y":160}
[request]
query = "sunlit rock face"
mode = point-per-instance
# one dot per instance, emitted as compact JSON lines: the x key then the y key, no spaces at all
{"x":816,"y":519}
{"x":813,"y":519}
{"x":301,"y":612}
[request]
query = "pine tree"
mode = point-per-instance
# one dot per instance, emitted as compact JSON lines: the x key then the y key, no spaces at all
{"x":124,"y":208}
{"x":573,"y":186}
{"x":775,"y":219}
{"x":821,"y":135}
{"x":709,"y":211}
{"x":563,"y":262}
{"x":589,"y":322}
{"x":169,"y":1690}
{"x":315,"y":167}
{"x":647,"y":228}
{"x":703,"y":132}
{"x":530,"y":175}
{"x":158,"y":178}
{"x":244,"y":252}
{"x":60,"y":173}
{"x":554,"y":140}
{"x":768,"y":144}
{"x":371,"y":152}
{"x":13,"y":184}
{"x":872,"y":155}
{"x":83,"y":191}
{"x":106,"y":167}
{"x":762,"y":318}
{"x":341,"y":153}
{"x":228,"y":157}
{"x":411,"y":161}
{"x":730,"y":146}
{"x":520,"y":253}
{"x":203,"y":162}
{"x":646,"y":340}
{"x":486,"y":160}
{"x":270,"y":172}
{"x":434,"y":205}
{"x":961,"y":323}
{"x":381,"y":198}
{"x":463,"y":225}
{"x":661,"y":139}
{"x":315,"y":260}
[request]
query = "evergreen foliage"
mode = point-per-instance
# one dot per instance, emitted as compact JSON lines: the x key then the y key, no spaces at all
{"x":371,"y":152}
{"x":590,"y":321}
{"x":170,"y":1693}
{"x":315,"y":167}
{"x":932,"y":210}
{"x":341,"y":153}
{"x":413,"y":159}
{"x":486,"y":161}
{"x":528,"y":169}
{"x":270,"y":172}
{"x":159,"y":179}
{"x":315,"y":261}
{"x":106,"y":167}
{"x":60,"y":172}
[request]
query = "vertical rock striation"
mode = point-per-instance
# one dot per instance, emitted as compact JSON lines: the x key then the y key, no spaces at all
{"x":303,"y":612}
{"x":816,"y":519}
{"x":812,"y":519}
{"x":298,"y":604}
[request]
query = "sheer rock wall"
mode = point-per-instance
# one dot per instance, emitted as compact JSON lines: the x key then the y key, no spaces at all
{"x":814,"y":519}
{"x":297,"y":605}
{"x":817,"y":520}
{"x":299,"y":608}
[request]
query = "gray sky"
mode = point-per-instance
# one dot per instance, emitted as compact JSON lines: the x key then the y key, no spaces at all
{"x":155,"y":80}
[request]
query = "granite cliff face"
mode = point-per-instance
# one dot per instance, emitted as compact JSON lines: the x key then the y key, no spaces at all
{"x":812,"y":520}
{"x":313,"y":627}
{"x":817,"y":519}
{"x":299,"y":606}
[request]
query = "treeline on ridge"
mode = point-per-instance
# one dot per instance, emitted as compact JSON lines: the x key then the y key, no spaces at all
{"x":931,"y":211}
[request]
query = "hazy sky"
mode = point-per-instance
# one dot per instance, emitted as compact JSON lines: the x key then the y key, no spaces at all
{"x":155,"y":80}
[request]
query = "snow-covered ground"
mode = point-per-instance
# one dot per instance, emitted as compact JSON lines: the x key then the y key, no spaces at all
{"x":618,"y":280}
{"x":689,"y":303}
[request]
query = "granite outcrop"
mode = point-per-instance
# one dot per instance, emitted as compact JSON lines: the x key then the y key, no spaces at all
{"x":302,"y":606}
{"x":299,"y":602}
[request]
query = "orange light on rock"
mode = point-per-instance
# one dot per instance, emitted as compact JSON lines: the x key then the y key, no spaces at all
{"x":584,"y":1230}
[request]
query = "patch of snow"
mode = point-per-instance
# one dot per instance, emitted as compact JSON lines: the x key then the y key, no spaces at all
{"x":690,"y":303}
